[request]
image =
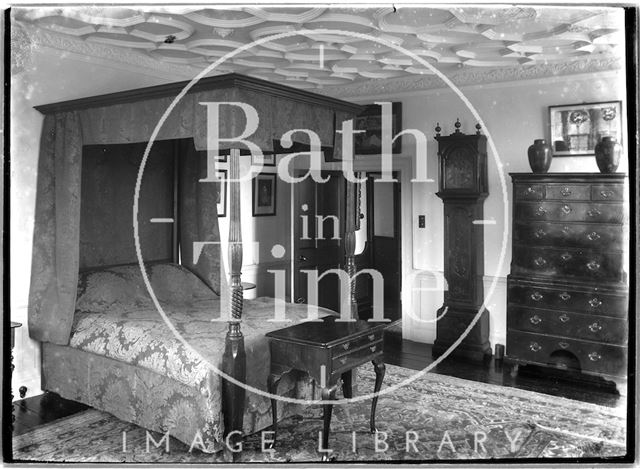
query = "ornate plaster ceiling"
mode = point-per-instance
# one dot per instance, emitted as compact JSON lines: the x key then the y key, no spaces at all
{"x":321,"y":53}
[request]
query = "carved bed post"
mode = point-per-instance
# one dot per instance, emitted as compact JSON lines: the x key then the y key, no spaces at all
{"x":234,"y":358}
{"x":352,"y":223}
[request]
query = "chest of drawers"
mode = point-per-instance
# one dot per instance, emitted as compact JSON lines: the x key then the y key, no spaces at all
{"x":567,"y":293}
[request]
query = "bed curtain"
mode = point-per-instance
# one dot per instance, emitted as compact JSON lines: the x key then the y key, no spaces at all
{"x":55,"y":256}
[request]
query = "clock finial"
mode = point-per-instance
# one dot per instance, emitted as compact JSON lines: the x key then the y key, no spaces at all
{"x":478,"y":127}
{"x":457,"y":125}
{"x":438,"y":129}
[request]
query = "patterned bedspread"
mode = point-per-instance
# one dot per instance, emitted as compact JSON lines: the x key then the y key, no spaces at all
{"x":116,"y":319}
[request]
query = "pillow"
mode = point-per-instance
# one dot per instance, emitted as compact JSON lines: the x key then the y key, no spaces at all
{"x":122,"y":288}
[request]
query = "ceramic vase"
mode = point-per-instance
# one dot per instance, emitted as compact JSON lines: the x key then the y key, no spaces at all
{"x":540,"y":155}
{"x":608,"y":152}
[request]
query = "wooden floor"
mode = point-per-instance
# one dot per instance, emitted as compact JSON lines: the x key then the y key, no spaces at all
{"x":48,"y":407}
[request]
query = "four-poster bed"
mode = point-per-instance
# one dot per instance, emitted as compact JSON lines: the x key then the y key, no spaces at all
{"x":104,"y":342}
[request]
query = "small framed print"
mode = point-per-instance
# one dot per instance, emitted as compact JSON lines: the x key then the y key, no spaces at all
{"x":577,"y":128}
{"x":263,"y":160}
{"x":264,"y":194}
{"x":369,"y":140}
{"x":222,"y":193}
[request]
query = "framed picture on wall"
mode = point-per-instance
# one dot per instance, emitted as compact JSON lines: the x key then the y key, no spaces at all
{"x":369,"y":142}
{"x":222,"y":193}
{"x":264,"y":194}
{"x":577,"y":128}
{"x":264,"y":160}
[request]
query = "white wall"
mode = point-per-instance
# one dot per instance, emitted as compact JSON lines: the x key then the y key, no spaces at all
{"x":514,"y":114}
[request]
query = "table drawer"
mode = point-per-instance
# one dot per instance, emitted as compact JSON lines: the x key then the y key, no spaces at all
{"x":567,"y":299}
{"x":608,"y":192}
{"x":568,"y":324}
{"x":570,"y":212}
{"x":569,"y":191}
{"x":357,"y":356}
{"x":591,"y":357}
{"x":569,"y":263}
{"x":350,"y":346}
{"x":579,"y":235}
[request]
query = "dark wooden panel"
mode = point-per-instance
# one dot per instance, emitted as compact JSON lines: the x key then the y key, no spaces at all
{"x":569,"y":324}
{"x":581,"y":235}
{"x":592,"y":357}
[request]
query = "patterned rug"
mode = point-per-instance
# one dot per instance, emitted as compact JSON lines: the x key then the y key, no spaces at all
{"x":434,"y":418}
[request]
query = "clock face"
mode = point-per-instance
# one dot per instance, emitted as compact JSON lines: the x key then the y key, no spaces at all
{"x":459,"y":169}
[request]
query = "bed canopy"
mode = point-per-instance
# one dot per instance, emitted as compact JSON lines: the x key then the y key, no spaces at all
{"x":129,"y":117}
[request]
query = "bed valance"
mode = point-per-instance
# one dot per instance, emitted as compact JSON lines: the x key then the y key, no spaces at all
{"x":129,"y":117}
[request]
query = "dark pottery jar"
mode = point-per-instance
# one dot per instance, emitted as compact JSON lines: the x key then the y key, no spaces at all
{"x":540,"y":156}
{"x":608,"y":153}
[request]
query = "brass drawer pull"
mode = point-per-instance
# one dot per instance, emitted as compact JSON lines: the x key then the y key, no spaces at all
{"x":541,"y":211}
{"x":594,"y":356}
{"x":593,"y":236}
{"x":535,"y":346}
{"x":371,"y":337}
{"x":540,"y":261}
{"x":563,"y":345}
{"x":594,"y":212}
{"x":594,"y":302}
{"x":566,"y":209}
{"x":566,"y":191}
{"x":300,"y":300}
{"x":564,"y":318}
{"x":593,"y":266}
{"x":565,"y":256}
{"x":373,"y":349}
{"x":536,"y":296}
{"x":565,"y":296}
{"x":606,"y":194}
{"x":345,"y":346}
{"x":535,"y":319}
{"x":531,"y":190}
{"x":343,"y":360}
{"x":595,"y":327}
{"x":540,"y":233}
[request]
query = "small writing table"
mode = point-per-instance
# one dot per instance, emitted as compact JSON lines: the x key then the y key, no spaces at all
{"x":328,"y":351}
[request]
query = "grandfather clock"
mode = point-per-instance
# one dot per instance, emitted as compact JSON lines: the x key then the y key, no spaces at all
{"x":463,"y":187}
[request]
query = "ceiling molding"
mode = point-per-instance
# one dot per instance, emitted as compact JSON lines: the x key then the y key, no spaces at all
{"x":35,"y":37}
{"x":135,"y":60}
{"x":470,"y":77}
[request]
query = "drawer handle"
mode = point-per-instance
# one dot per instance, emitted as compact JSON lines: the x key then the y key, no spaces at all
{"x":564,"y":318}
{"x":606,"y":194}
{"x":536,"y":296}
{"x":535,"y":319}
{"x":565,"y":296}
{"x":593,"y":236}
{"x":539,"y":261}
{"x":593,"y":266}
{"x":540,"y":233}
{"x":345,"y":346}
{"x":535,"y":346}
{"x":594,"y":302}
{"x":541,"y":211}
{"x":566,"y":191}
{"x":302,"y":258}
{"x":373,"y":349}
{"x":531,"y":190}
{"x":371,"y":337}
{"x":343,"y":361}
{"x":566,"y":230}
{"x":565,"y":257}
{"x":594,"y":212}
{"x":563,"y":345}
{"x":566,"y":209}
{"x":595,"y":327}
{"x":300,"y":300}
{"x":594,"y":356}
